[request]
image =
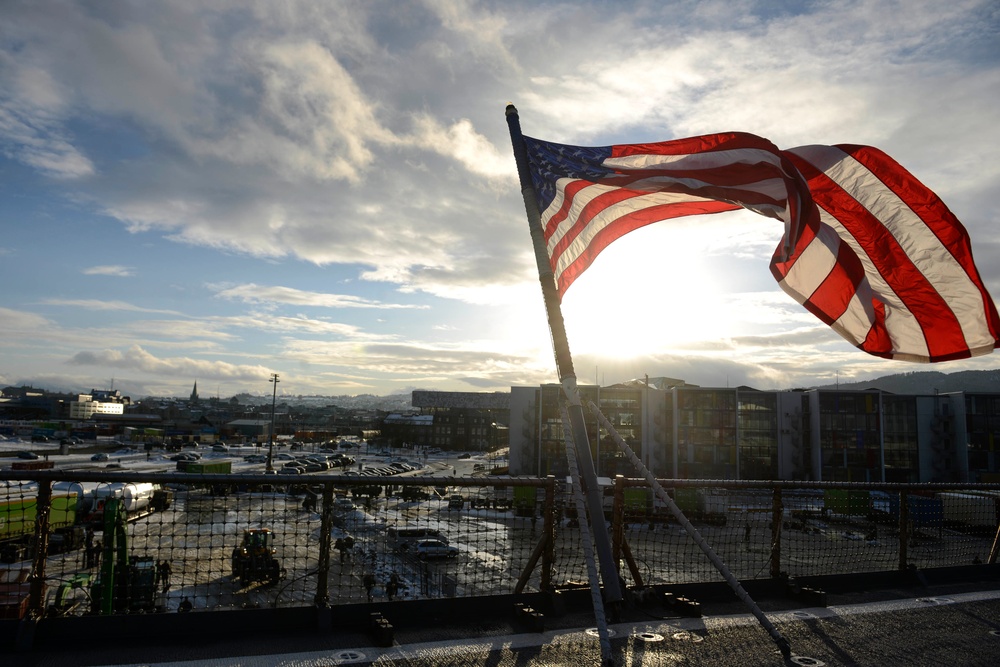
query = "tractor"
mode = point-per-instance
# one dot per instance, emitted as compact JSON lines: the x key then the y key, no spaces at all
{"x":255,"y":559}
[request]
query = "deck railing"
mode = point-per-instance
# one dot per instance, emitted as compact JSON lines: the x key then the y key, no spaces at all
{"x":342,"y":540}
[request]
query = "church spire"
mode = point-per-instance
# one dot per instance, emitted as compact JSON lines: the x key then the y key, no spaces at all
{"x":194,"y":392}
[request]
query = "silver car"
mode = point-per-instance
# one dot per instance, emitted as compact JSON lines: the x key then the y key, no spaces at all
{"x":434,"y":549}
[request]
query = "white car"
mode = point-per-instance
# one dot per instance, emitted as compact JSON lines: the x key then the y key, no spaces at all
{"x":434,"y":549}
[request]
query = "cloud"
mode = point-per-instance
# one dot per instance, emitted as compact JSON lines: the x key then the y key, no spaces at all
{"x":110,"y":270}
{"x":461,"y":142}
{"x":296,"y":141}
{"x":16,"y":325}
{"x":138,"y":359}
{"x":263,"y":294}
{"x":311,"y":119}
{"x":97,"y":304}
{"x":418,"y":362}
{"x":30,"y":128}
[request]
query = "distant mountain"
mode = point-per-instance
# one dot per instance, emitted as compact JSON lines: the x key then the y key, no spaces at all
{"x":391,"y":403}
{"x":926,"y":382}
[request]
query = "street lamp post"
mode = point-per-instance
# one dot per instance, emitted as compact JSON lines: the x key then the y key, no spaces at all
{"x":270,"y":431}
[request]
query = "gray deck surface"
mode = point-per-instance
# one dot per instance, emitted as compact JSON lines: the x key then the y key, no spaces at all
{"x":949,"y":625}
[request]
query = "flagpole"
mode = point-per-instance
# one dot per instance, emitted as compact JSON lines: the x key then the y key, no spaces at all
{"x":564,"y":365}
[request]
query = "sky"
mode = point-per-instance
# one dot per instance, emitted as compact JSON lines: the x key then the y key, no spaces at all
{"x":219,"y":191}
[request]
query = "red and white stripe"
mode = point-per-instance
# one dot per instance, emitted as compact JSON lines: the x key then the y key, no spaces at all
{"x":922,"y":298}
{"x":868,"y":249}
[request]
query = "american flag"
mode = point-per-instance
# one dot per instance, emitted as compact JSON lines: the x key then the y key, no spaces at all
{"x":867,"y":248}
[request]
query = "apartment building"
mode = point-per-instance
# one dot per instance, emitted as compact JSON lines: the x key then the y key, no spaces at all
{"x":743,"y":433}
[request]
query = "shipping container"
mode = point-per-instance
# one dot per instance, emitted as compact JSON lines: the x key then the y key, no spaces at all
{"x":925,"y":511}
{"x":847,"y":503}
{"x":207,"y":467}
{"x":969,"y":510}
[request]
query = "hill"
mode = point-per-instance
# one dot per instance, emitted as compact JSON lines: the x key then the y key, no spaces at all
{"x":927,"y":382}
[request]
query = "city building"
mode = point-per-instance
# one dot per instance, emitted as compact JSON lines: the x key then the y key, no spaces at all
{"x":464,"y":421}
{"x":691,"y":432}
{"x":97,"y":402}
{"x":399,"y":430}
{"x":248,"y":430}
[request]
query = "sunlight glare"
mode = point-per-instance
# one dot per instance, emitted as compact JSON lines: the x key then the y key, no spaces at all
{"x":648,"y":291}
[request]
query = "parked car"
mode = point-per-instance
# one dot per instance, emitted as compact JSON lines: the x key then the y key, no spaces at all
{"x":223,"y":449}
{"x":465,"y":455}
{"x":434,"y":549}
{"x":27,"y":455}
{"x":343,"y":504}
{"x":99,"y":456}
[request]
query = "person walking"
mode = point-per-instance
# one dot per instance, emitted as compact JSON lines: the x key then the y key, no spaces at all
{"x":165,"y":571}
{"x":369,"y":582}
{"x":341,"y":547}
{"x":95,"y":560}
{"x":392,"y":586}
{"x":88,"y":551}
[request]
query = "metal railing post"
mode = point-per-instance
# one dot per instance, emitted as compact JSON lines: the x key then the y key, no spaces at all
{"x":549,"y":529}
{"x":325,"y":529}
{"x":36,"y":600}
{"x":904,"y":529}
{"x":777,"y":508}
{"x":618,"y":521}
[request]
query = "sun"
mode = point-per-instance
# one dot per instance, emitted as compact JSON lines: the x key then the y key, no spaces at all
{"x":649,"y":291}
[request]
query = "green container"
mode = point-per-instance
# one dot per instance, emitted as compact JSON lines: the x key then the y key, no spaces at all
{"x":848,"y":503}
{"x":636,"y":500}
{"x":687,"y":500}
{"x":209,"y":467}
{"x":17,"y":515}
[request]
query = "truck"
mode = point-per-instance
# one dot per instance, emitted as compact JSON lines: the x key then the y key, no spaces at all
{"x":18,"y":512}
{"x":970,"y":511}
{"x":414,"y":493}
{"x":138,"y":499}
{"x":75,"y":507}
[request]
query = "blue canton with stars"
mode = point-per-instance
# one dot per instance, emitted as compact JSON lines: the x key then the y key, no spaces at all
{"x":549,"y":162}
